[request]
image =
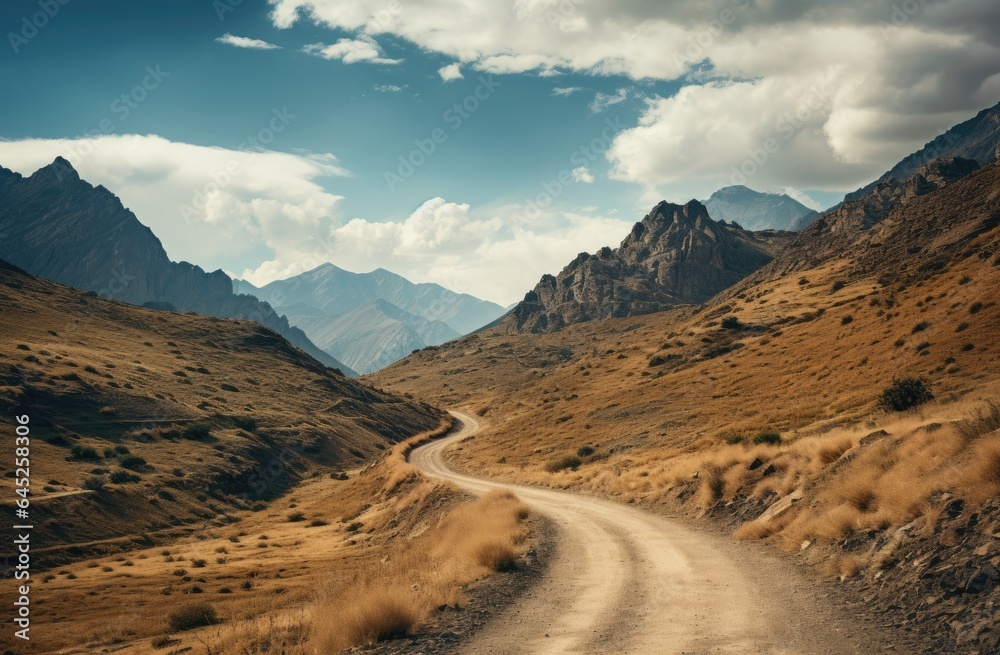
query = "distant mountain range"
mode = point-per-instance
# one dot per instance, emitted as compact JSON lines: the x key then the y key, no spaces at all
{"x":55,"y":225}
{"x":370,"y":320}
{"x":676,"y":255}
{"x":754,"y":210}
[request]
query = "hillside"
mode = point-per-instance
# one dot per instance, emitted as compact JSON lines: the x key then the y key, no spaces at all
{"x":213,"y":406}
{"x":770,"y":420}
{"x":676,"y":255}
{"x":753,"y":210}
{"x":57,"y":226}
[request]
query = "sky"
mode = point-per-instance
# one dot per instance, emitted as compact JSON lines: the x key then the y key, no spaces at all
{"x":473,"y":143}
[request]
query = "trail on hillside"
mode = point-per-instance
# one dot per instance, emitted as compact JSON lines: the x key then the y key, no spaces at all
{"x":622,"y":580}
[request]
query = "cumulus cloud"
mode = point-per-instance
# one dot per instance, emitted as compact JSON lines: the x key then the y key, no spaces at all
{"x":246,"y":42}
{"x":566,"y":90}
{"x":451,"y":72}
{"x":897,"y":73}
{"x":602,"y":101}
{"x":351,"y":51}
{"x":389,"y":88}
{"x":583,"y":174}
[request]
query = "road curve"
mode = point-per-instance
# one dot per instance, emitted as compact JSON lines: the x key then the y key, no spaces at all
{"x":622,"y":580}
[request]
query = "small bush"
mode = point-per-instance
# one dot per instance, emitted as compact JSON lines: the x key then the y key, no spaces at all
{"x":906,"y":394}
{"x":731,"y":323}
{"x":767,"y":438}
{"x":84,"y":452}
{"x":229,"y":387}
{"x":585,"y":451}
{"x":496,"y":555}
{"x":975,"y":307}
{"x":295,"y":517}
{"x":123,"y":477}
{"x":193,"y":616}
{"x":838,"y":285}
{"x":316,"y":523}
{"x":197,"y":432}
{"x":920,"y":327}
{"x":847,"y":320}
{"x":133,"y":462}
{"x":247,"y":423}
{"x":568,"y":462}
{"x":355,"y":526}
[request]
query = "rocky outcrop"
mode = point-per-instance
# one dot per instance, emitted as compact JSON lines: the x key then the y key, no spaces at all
{"x":758,"y":211}
{"x":676,"y":255}
{"x":55,"y":225}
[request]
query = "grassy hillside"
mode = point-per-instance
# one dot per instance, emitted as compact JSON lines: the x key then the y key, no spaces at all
{"x":763,"y":406}
{"x":197,"y":483}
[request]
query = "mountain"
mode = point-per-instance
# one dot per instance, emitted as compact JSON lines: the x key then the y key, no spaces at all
{"x":336,"y":291}
{"x":977,"y":139}
{"x":372,"y":336}
{"x":758,"y":211}
{"x":369,"y":320}
{"x":55,"y":225}
{"x":676,"y":255}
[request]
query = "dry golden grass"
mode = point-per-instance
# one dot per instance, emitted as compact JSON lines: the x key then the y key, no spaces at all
{"x":387,"y":598}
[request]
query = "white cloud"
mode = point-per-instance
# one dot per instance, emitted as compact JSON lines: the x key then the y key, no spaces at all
{"x":451,"y":72}
{"x":389,"y":88}
{"x":805,"y":199}
{"x":897,"y":76}
{"x":246,"y":42}
{"x":602,"y":101}
{"x":494,"y":255}
{"x":583,"y":174}
{"x":566,"y":90}
{"x":352,"y":51}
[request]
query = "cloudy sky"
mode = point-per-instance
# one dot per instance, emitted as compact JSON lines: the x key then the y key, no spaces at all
{"x":473,"y":143}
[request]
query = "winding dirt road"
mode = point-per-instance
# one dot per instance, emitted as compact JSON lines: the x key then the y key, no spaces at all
{"x":622,"y":580}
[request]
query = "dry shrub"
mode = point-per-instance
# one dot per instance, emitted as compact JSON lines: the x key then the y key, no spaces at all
{"x":984,"y":421}
{"x":980,"y":479}
{"x":388,"y":598}
{"x":496,"y":555}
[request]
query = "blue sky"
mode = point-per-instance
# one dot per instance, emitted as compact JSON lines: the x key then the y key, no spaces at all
{"x":694,"y":91}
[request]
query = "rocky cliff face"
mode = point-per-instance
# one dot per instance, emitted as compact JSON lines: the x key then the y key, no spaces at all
{"x":977,"y":139}
{"x":758,"y":211}
{"x":55,"y":225}
{"x":676,"y":255}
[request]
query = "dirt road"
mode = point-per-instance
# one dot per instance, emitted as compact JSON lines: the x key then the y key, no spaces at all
{"x":622,"y":580}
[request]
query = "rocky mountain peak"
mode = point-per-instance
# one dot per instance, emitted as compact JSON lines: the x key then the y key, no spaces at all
{"x":675,"y":255}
